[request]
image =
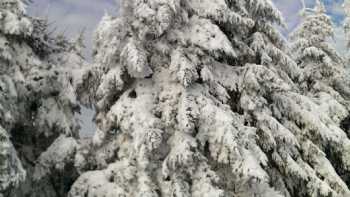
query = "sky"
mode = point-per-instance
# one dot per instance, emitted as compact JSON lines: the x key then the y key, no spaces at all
{"x":291,"y":9}
{"x":72,"y":16}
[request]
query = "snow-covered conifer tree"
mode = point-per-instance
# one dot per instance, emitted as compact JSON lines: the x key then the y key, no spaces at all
{"x":322,"y":66}
{"x":12,"y":22}
{"x":38,"y":129}
{"x":199,"y":98}
{"x":324,"y":76}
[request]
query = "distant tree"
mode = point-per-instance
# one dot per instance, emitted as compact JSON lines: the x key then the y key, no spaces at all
{"x":38,"y":130}
{"x":324,"y":76}
{"x":200,"y":98}
{"x":322,"y":66}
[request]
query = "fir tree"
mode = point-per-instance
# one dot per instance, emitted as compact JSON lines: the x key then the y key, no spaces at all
{"x":13,"y":23}
{"x":322,"y":66}
{"x":199,"y":98}
{"x":37,"y":105}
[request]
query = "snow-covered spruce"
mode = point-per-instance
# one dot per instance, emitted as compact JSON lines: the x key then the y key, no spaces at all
{"x":325,"y":79}
{"x":322,"y":66}
{"x":199,"y":98}
{"x":37,"y":106}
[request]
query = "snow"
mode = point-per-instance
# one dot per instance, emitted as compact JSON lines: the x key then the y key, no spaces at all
{"x":135,"y":59}
{"x":12,"y":171}
{"x":217,"y":9}
{"x":56,"y":156}
{"x":196,"y":98}
{"x":204,"y":34}
{"x":183,"y":68}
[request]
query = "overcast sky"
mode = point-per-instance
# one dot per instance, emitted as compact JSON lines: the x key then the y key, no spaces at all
{"x":71,"y":16}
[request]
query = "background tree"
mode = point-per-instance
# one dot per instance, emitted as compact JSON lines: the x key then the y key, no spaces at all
{"x":322,"y":66}
{"x":199,"y":98}
{"x":38,"y":129}
{"x":324,"y":75}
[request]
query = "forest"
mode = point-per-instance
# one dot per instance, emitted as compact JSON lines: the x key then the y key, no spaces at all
{"x":192,"y":98}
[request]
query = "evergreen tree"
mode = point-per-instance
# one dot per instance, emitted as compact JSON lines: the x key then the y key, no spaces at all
{"x":322,"y":66}
{"x":12,"y":22}
{"x":324,"y":75}
{"x":38,"y":129}
{"x":199,"y":98}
